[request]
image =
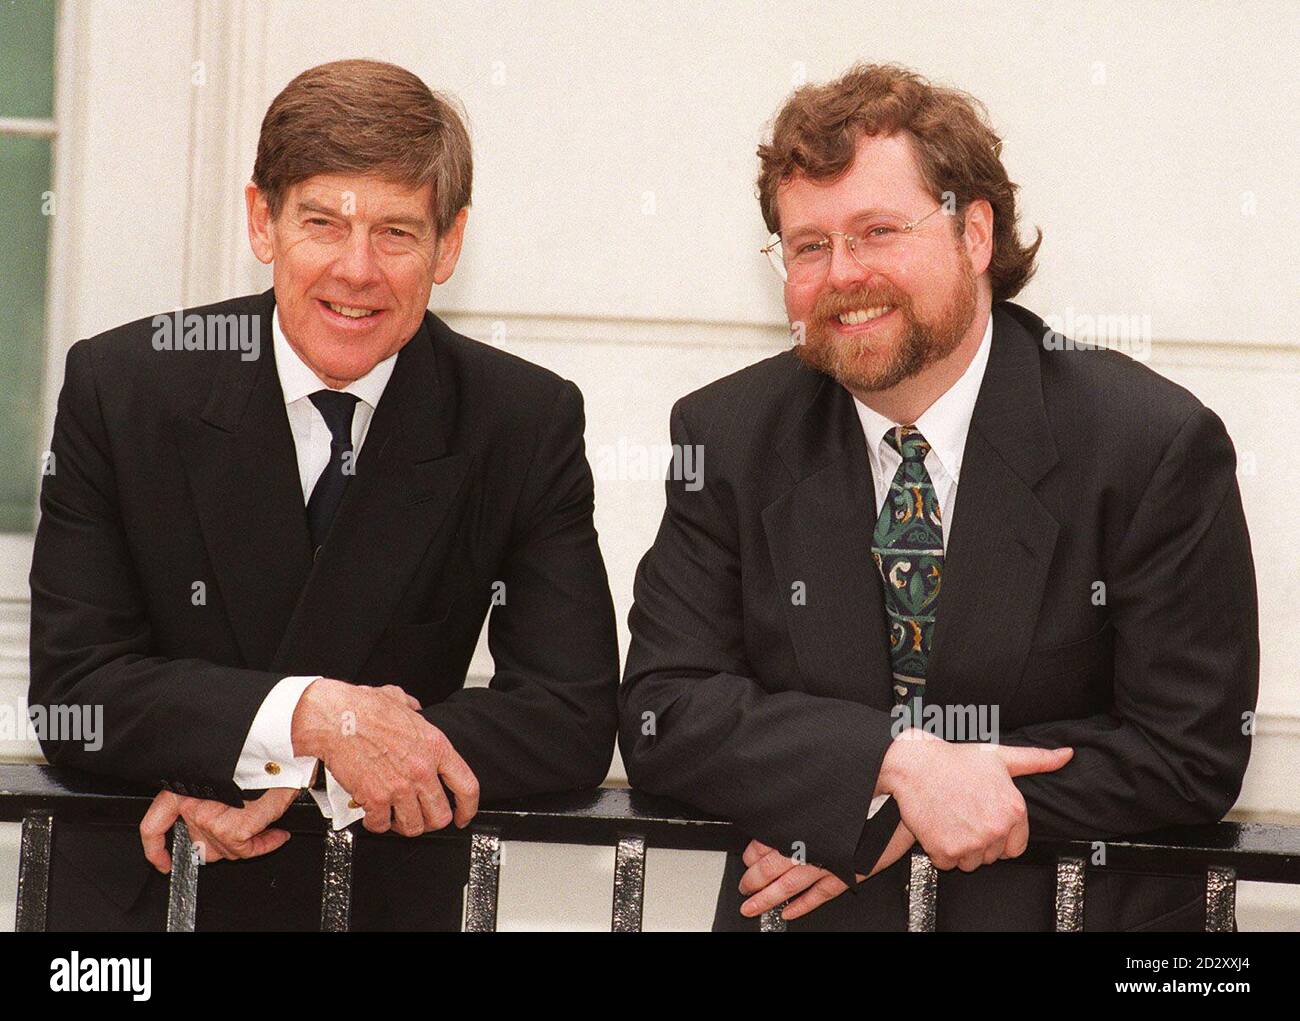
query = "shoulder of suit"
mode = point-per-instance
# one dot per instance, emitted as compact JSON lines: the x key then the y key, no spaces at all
{"x":511,"y":378}
{"x":779,"y":386}
{"x":145,"y":357}
{"x":1096,"y":392}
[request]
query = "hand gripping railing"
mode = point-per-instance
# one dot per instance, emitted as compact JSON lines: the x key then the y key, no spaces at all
{"x":628,"y":822}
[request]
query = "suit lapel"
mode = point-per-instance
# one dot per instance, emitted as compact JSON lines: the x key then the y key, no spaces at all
{"x":1003,"y":538}
{"x":404,"y":485}
{"x":819,"y":533}
{"x":243,"y":472}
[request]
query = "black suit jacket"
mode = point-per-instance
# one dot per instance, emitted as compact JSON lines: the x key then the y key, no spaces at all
{"x":175,"y":467}
{"x":1080,"y":466}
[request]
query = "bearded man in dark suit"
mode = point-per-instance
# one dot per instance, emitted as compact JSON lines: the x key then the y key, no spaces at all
{"x":935,"y":511}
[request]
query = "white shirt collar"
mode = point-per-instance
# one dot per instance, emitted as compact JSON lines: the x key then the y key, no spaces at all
{"x":298,"y":381}
{"x":945,"y":423}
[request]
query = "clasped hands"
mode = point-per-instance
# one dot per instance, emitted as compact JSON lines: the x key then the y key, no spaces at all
{"x":957,"y":800}
{"x":392,"y":761}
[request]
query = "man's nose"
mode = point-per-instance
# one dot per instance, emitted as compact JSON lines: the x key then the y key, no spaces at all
{"x":845,"y":271}
{"x":356,"y":264}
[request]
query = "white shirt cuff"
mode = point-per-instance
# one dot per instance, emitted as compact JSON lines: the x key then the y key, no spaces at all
{"x":334,"y":803}
{"x":267,"y":758}
{"x":876,"y":803}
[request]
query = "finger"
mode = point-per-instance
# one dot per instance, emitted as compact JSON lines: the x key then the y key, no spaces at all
{"x":399,"y":695}
{"x":1017,"y":840}
{"x":379,"y":815}
{"x":754,"y":851}
{"x":205,"y":849}
{"x":158,"y":819}
{"x":767,"y":870}
{"x":264,"y":843}
{"x":972,"y":861}
{"x":461,"y":781}
{"x":793,"y":882}
{"x":408,"y":817}
{"x":215,"y":825}
{"x":259,"y":814}
{"x":434,"y":808}
{"x":211,"y":847}
{"x":1020,"y":761}
{"x":826,"y":888}
{"x":433,"y":800}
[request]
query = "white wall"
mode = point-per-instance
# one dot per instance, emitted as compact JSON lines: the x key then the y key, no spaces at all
{"x":614,"y":231}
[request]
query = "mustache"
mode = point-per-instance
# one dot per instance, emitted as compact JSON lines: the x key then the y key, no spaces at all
{"x":833,"y":303}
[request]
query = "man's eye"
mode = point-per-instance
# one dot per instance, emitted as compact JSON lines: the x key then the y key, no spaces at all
{"x":319,"y":221}
{"x":397,"y":232}
{"x":880,"y":231}
{"x":809,"y":249}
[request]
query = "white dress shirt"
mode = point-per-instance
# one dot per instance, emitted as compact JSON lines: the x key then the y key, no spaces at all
{"x":267,"y":758}
{"x":944,"y":424}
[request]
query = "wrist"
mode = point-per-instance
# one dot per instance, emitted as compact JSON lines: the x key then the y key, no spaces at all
{"x":315,"y":716}
{"x":900,"y":760}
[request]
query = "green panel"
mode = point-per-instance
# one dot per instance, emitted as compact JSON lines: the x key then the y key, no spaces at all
{"x":24,"y":180}
{"x":27,"y":58}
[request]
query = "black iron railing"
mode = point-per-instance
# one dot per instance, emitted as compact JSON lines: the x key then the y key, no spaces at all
{"x":628,"y":822}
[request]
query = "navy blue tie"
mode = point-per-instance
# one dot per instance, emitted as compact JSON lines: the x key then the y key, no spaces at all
{"x":336,"y":408}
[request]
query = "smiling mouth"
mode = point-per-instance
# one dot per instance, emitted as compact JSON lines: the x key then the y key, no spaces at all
{"x":350,"y":311}
{"x":857,"y":317}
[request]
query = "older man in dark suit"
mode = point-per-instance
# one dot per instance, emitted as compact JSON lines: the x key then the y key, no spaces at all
{"x":277,"y":525}
{"x":1072,"y":639}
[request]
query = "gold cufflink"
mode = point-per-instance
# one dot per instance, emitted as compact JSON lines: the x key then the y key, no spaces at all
{"x":352,"y":804}
{"x":273,"y":768}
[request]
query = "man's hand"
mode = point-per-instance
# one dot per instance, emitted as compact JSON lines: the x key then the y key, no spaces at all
{"x":216,"y":830}
{"x":391,"y":759}
{"x":773,"y":878}
{"x":959,"y":799}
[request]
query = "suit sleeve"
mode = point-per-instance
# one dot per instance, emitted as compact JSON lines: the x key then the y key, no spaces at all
{"x":173,"y":723}
{"x":547,"y":720}
{"x":793,"y":770}
{"x":1174,"y":748}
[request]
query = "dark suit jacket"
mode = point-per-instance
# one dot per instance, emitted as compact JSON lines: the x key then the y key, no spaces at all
{"x":176,"y":467}
{"x":1080,"y":467}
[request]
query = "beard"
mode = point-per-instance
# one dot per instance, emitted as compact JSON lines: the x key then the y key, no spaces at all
{"x":863,"y":364}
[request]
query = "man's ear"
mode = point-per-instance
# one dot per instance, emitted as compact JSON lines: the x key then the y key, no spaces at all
{"x":259,"y":223}
{"x":449,"y":248}
{"x":978,"y":235}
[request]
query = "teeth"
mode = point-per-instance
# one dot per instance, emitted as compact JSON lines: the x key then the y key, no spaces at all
{"x":863,"y":315}
{"x":350,"y":312}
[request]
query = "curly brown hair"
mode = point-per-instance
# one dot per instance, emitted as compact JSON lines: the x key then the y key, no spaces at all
{"x":817,"y":131}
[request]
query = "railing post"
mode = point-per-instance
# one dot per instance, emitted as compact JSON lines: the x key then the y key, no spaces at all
{"x":183,"y":891}
{"x":922,"y":893}
{"x":629,"y":885}
{"x":336,"y":882}
{"x":484,"y":874}
{"x":1220,"y":899}
{"x":1071,"y":875}
{"x":34,"y":873}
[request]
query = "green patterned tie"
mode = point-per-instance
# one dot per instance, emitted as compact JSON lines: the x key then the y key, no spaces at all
{"x":908,"y":550}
